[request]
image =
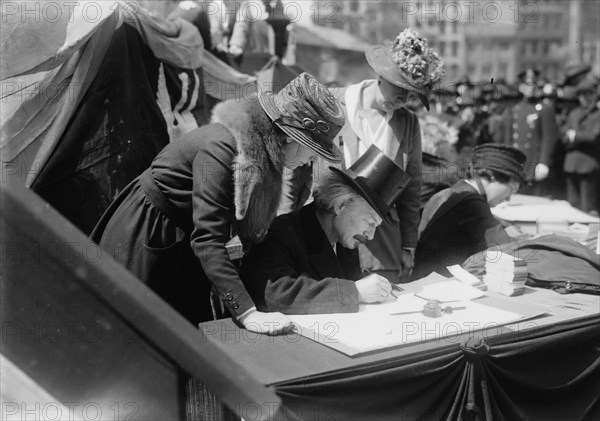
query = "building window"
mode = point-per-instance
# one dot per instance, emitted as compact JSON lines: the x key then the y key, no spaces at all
{"x":502,"y":69}
{"x":442,"y":26}
{"x":354,"y":6}
{"x":454,"y":71}
{"x":454,"y":27}
{"x":454,"y":48}
{"x":534,"y":47}
{"x":442,"y":48}
{"x":486,"y":70}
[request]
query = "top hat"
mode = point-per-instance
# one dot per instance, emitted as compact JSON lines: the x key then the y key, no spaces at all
{"x":407,"y":62}
{"x":378,"y":179}
{"x":308,"y":113}
{"x":500,"y":158}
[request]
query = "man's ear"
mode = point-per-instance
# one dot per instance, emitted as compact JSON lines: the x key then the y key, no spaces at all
{"x":338,"y":208}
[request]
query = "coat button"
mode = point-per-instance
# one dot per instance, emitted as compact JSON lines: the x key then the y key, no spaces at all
{"x":528,"y":135}
{"x":516,"y":145}
{"x":235,"y":306}
{"x":515,"y":135}
{"x":229,"y":297}
{"x":527,"y":145}
{"x":515,"y":125}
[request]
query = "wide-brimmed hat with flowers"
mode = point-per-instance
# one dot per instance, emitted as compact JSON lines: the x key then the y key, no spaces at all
{"x":308,"y":113}
{"x":408,"y":62}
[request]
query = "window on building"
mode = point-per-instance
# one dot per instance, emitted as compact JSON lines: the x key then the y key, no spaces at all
{"x":546,"y":45}
{"x":486,"y":70}
{"x":442,"y":26}
{"x":534,"y":47}
{"x":418,"y":23}
{"x":454,"y":27}
{"x":354,"y":5}
{"x":442,"y":48}
{"x":454,"y":48}
{"x":454,"y":71}
{"x":523,"y":48}
{"x":502,"y":69}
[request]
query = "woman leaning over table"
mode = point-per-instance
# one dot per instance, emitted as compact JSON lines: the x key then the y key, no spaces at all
{"x":170,"y":226}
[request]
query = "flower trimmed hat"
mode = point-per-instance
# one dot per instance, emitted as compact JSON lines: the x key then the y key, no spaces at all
{"x":308,"y":113}
{"x":408,"y":62}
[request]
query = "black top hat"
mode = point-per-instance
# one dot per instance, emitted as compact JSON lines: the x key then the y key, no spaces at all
{"x":500,"y":158}
{"x":308,"y":113}
{"x":378,"y":179}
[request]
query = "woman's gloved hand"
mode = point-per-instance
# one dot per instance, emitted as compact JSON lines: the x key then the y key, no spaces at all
{"x":267,"y":323}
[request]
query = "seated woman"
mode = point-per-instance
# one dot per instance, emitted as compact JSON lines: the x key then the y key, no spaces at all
{"x":308,"y":262}
{"x":457,"y":222}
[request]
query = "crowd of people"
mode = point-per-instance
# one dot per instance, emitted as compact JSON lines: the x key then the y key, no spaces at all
{"x":410,"y":173}
{"x":555,"y":124}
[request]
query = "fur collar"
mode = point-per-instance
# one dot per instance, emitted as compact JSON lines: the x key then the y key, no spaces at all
{"x":258,"y":165}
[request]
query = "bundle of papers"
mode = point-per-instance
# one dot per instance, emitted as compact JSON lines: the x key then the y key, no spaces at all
{"x":467,"y":278}
{"x":505,"y":274}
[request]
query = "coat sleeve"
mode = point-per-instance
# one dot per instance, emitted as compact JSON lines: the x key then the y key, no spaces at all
{"x":213,"y":215}
{"x":409,"y":203}
{"x":270,"y":272}
{"x":549,"y":135}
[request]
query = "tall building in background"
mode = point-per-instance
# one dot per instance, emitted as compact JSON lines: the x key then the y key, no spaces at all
{"x":481,"y":39}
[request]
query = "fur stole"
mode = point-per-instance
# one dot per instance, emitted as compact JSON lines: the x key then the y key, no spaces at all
{"x":258,"y":166}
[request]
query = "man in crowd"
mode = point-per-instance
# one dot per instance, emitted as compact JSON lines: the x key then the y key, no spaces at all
{"x":308,"y":262}
{"x":530,"y":126}
{"x":581,"y":139}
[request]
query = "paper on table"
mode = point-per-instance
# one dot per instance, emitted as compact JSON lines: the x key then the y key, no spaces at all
{"x":437,"y":287}
{"x":464,"y":276}
{"x":557,"y":209}
{"x":374,"y":327}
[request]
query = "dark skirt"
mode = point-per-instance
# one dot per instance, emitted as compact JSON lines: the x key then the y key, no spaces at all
{"x":156,"y":250}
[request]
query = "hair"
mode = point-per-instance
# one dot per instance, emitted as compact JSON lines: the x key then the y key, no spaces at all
{"x":333,"y":190}
{"x":489,"y":175}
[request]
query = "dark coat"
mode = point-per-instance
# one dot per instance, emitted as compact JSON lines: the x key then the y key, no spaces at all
{"x":296,"y":271}
{"x":461,"y":226}
{"x":389,"y":240}
{"x":583,"y":155}
{"x":170,"y":225}
{"x":531,"y":127}
{"x":438,"y":174}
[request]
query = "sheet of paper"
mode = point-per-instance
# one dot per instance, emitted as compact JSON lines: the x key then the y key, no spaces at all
{"x":374,"y":327}
{"x":557,"y":209}
{"x":437,"y":287}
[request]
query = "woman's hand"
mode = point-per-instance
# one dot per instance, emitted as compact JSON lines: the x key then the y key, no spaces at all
{"x":267,"y":323}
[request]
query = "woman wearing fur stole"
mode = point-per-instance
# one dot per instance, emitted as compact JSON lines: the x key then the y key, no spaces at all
{"x":170,"y":226}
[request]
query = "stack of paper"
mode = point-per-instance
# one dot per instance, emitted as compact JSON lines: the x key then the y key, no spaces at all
{"x":466,"y":278}
{"x":505,"y":274}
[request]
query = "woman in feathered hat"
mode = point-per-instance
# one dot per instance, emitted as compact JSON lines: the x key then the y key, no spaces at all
{"x":406,"y":69}
{"x":457,"y":222}
{"x":170,"y":226}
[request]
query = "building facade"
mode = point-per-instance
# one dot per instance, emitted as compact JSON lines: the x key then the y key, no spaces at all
{"x":483,"y":39}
